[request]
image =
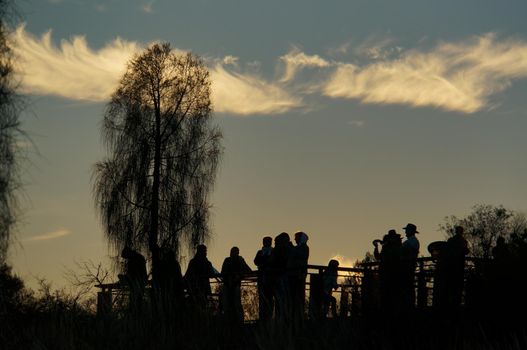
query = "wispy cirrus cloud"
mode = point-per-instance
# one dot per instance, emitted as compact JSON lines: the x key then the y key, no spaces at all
{"x":296,"y":60}
{"x":461,"y":76}
{"x":248,"y":94}
{"x":148,"y":7}
{"x":73,"y":70}
{"x":464,"y":76}
{"x":50,"y":235}
{"x":357,"y":123}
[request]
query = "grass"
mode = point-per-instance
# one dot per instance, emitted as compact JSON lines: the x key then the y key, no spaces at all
{"x":57,"y":320}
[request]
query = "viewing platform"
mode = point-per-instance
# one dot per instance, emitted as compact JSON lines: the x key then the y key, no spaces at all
{"x":359,"y":289}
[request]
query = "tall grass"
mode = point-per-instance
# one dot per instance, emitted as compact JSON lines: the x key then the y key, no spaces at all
{"x":59,"y":320}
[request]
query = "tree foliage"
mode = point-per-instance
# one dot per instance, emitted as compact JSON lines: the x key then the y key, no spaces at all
{"x":484,"y":225}
{"x":10,"y":133}
{"x":152,"y":189}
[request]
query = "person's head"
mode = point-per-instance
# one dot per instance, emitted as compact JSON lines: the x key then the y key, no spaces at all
{"x":201,"y":250}
{"x":458,"y":230}
{"x":126,"y":253}
{"x":333,"y":264}
{"x":391,"y":237}
{"x":267,"y":241}
{"x":410,"y":230}
{"x":301,"y":237}
{"x":282,"y":239}
{"x":235,"y":252}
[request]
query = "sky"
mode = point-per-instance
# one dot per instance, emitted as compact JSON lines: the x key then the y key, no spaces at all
{"x":343,"y":119}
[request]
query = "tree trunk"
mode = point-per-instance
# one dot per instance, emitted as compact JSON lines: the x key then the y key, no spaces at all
{"x":154,"y":213}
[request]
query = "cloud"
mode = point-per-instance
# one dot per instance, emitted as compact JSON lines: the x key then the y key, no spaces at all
{"x":377,"y":47}
{"x":464,"y":76}
{"x":343,"y":262}
{"x":247,"y":94}
{"x":100,"y":7}
{"x":459,"y":77}
{"x":230,"y":60}
{"x":50,"y":235}
{"x":357,"y":123}
{"x":75,"y":71}
{"x":295,"y":60}
{"x":72,"y":70}
{"x":148,"y":7}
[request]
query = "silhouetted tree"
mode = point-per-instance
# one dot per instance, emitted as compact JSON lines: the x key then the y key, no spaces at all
{"x":152,"y":189}
{"x":484,"y":225}
{"x":10,"y":132}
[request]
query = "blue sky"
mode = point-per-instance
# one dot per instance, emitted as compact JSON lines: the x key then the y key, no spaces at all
{"x":341,"y":118}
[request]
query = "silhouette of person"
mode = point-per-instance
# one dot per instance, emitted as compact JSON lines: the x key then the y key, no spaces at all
{"x":297,"y":272}
{"x":501,"y":251}
{"x":265,"y":287}
{"x":134,"y":276}
{"x":197,"y":277}
{"x":409,"y":253}
{"x":389,"y":270}
{"x":453,"y":269}
{"x":502,"y":271}
{"x":232,"y":270}
{"x":170,"y":280}
{"x":281,"y":252}
{"x":329,"y":283}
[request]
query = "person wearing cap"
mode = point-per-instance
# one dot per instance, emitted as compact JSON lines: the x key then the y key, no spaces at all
{"x":409,"y":253}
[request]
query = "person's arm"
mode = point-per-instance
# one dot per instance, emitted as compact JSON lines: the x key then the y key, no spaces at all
{"x":376,"y":253}
{"x":246,"y":268}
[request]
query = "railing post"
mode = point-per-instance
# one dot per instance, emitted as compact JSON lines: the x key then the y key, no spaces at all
{"x":104,"y":303}
{"x":315,"y":296}
{"x":344,"y":302}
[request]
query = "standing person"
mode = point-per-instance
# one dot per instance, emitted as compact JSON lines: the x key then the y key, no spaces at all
{"x":170,"y":288}
{"x":297,"y":272}
{"x":281,"y":253}
{"x":329,"y":282}
{"x":409,"y":254}
{"x":389,"y":270}
{"x":233,"y":269}
{"x":134,"y":276}
{"x":265,"y":288}
{"x":453,"y":268}
{"x":502,"y":275}
{"x":197,"y":277}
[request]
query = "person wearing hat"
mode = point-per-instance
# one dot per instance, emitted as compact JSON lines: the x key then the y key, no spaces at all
{"x":409,"y":253}
{"x":389,"y":270}
{"x":411,"y":244}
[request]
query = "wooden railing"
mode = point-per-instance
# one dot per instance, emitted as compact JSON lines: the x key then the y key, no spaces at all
{"x":359,"y":289}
